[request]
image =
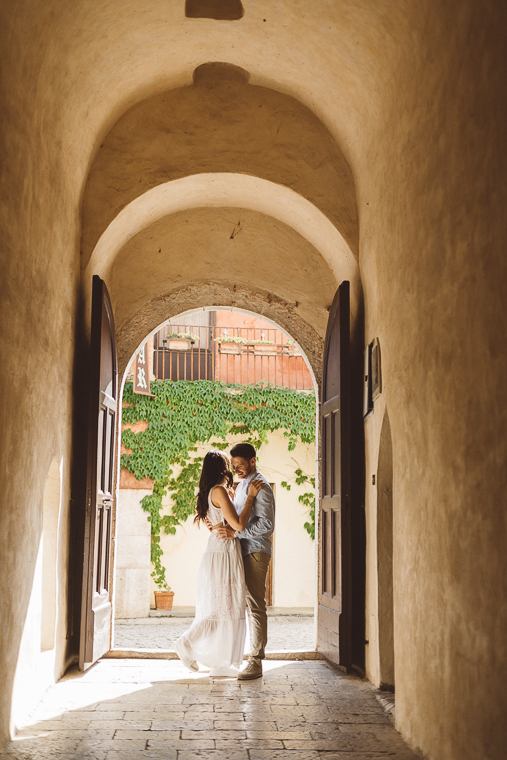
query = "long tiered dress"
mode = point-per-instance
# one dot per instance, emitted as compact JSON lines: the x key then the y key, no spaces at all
{"x":216,"y":638}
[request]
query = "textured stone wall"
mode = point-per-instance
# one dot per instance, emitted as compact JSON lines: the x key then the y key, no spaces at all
{"x":162,"y":308}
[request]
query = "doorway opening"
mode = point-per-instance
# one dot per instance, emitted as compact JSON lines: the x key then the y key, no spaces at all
{"x":248,"y":380}
{"x":385,"y":557}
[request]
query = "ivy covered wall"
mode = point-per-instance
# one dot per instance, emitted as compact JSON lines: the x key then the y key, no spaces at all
{"x":180,"y":416}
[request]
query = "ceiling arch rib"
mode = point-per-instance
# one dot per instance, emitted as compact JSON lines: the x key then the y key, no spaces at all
{"x":232,"y":191}
{"x":205,"y":245}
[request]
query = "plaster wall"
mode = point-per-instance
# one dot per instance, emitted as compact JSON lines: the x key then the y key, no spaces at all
{"x":38,"y":300}
{"x":434,"y":276}
{"x":50,"y":581}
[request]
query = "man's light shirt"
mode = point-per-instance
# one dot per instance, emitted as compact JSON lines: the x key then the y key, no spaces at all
{"x":258,"y":531}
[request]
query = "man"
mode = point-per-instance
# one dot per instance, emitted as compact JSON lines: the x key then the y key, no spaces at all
{"x":256,"y":548}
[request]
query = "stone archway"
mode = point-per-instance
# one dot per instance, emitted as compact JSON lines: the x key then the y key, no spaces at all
{"x":134,"y":331}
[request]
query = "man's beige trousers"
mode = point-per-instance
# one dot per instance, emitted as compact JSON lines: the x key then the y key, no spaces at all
{"x":256,"y":568}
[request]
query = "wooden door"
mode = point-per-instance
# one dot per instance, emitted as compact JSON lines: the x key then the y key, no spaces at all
{"x":334,"y":613}
{"x":103,"y":404}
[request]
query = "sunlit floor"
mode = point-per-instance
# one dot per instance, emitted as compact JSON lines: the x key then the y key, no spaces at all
{"x":285,"y":633}
{"x":147,"y":709}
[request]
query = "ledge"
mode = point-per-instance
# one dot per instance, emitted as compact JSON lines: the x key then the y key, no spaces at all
{"x":167,"y":654}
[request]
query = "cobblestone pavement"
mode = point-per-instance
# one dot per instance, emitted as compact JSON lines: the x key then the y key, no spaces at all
{"x":156,"y":710}
{"x":289,"y":632}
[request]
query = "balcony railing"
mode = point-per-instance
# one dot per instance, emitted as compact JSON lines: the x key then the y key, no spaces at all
{"x":230,"y":354}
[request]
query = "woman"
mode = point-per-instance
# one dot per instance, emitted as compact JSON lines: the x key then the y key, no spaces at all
{"x":216,"y":638}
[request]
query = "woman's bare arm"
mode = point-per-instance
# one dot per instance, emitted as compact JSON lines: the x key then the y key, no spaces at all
{"x":220,"y":498}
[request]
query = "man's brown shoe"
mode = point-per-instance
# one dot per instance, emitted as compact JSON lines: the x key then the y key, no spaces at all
{"x":252,"y":670}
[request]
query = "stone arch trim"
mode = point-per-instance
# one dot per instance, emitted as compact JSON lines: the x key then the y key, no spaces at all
{"x":133,"y":332}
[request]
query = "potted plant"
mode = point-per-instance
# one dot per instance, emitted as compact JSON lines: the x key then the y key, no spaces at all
{"x":164,"y":597}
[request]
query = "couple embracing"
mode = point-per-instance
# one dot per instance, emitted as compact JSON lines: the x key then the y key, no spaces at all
{"x":232,"y":574}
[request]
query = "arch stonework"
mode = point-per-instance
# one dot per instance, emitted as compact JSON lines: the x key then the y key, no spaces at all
{"x":132,"y":334}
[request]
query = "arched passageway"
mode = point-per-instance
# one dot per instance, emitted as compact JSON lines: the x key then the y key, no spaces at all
{"x":171,"y":241}
{"x":358,"y":142}
{"x":231,"y":225}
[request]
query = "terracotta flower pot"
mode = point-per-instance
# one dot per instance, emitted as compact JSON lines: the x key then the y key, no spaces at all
{"x":164,"y":600}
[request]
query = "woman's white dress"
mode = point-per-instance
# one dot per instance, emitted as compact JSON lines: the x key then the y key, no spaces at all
{"x":216,"y":638}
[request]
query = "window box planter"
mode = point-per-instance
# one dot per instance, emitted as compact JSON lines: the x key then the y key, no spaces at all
{"x":230,"y":348}
{"x":179,"y":344}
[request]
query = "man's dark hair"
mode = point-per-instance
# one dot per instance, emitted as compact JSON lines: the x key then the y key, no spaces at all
{"x":243,"y":451}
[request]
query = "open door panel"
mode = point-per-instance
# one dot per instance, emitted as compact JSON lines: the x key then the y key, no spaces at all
{"x":103,"y":409}
{"x":334,"y":611}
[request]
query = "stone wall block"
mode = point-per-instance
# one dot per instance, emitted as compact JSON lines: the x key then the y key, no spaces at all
{"x":132,"y":519}
{"x":132,"y":597}
{"x":133,"y":552}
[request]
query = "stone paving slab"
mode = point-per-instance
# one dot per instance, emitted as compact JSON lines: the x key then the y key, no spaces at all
{"x":285,"y":633}
{"x":118,"y":710}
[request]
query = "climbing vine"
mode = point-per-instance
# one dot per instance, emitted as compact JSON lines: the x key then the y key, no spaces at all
{"x":182,"y":414}
{"x":307,"y":498}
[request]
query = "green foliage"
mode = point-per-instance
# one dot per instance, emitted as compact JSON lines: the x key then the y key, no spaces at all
{"x":307,"y":498}
{"x":184,"y":413}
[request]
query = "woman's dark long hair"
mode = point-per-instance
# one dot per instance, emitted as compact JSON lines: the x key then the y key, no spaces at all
{"x":215,"y":468}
